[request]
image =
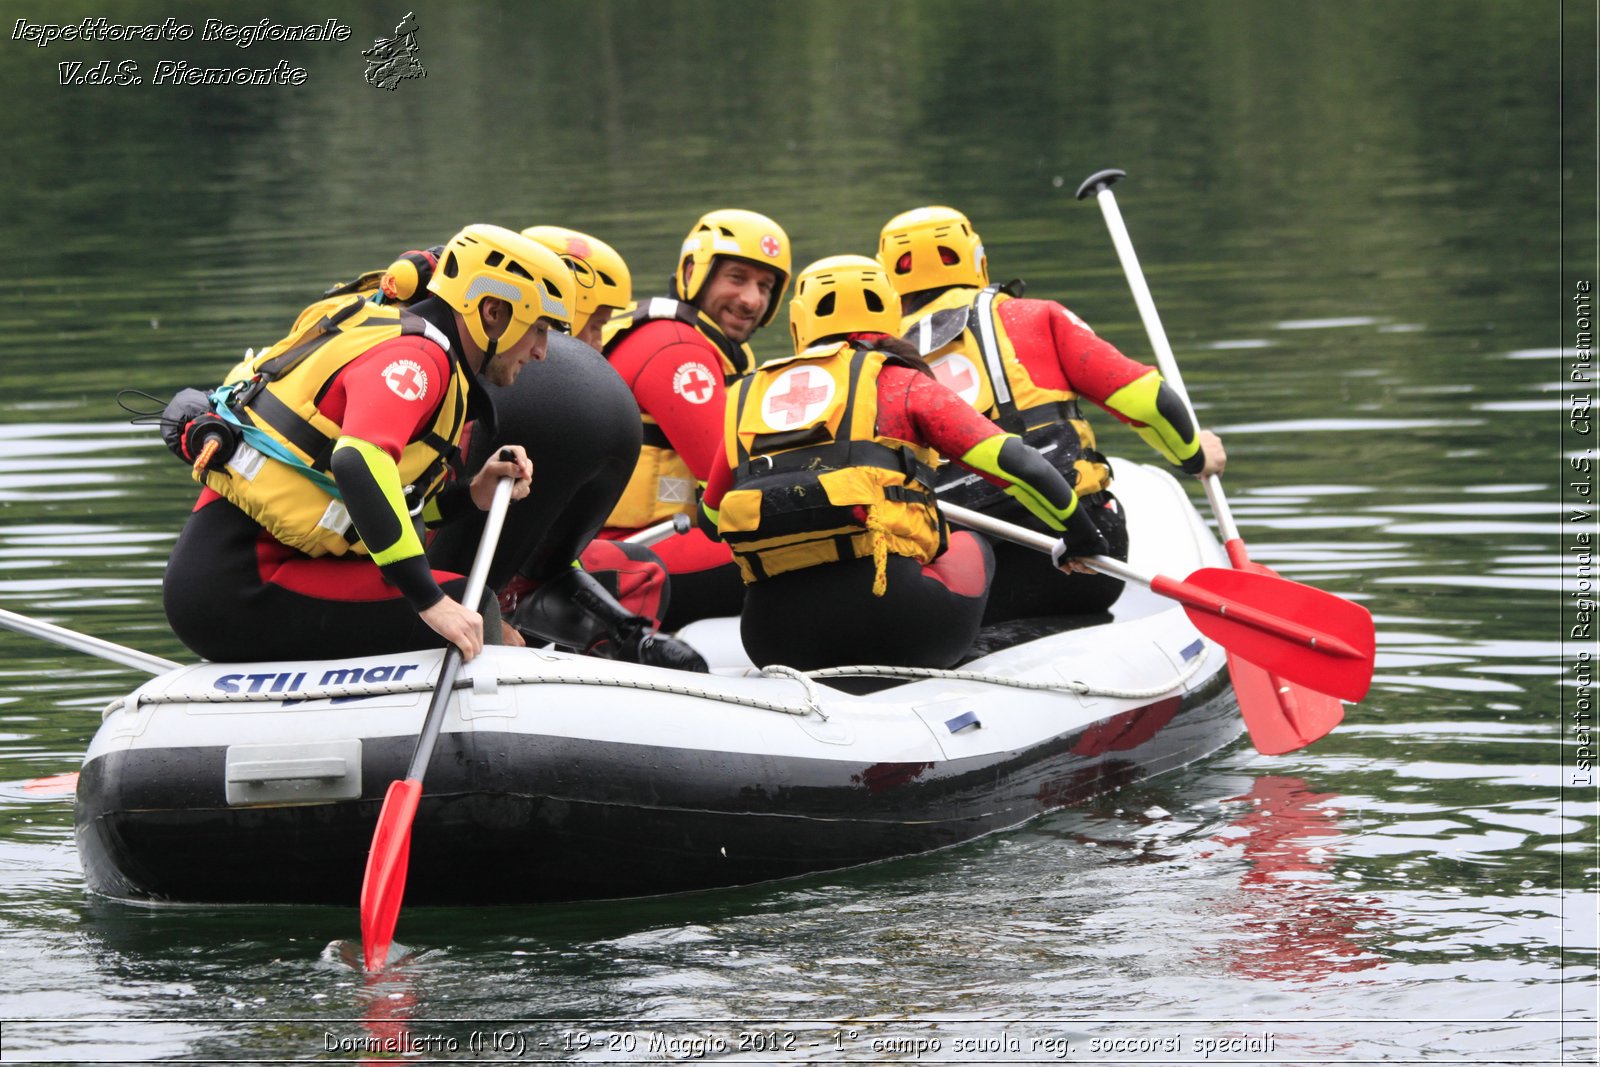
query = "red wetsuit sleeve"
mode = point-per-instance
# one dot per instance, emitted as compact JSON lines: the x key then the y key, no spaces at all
{"x":720,"y":482}
{"x":676,"y":378}
{"x":913,"y":407}
{"x":389,"y":395}
{"x":1059,"y":349}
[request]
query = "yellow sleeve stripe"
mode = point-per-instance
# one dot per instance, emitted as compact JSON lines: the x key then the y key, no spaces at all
{"x":985,"y":456}
{"x":386,"y":479}
{"x":1136,"y":402}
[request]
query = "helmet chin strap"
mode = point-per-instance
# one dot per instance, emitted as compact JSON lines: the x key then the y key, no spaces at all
{"x":491,"y":344}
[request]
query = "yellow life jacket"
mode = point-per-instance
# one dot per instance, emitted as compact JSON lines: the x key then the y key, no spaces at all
{"x":662,"y":485}
{"x":368,"y":285}
{"x":961,"y":336}
{"x":279,"y":474}
{"x":813,"y":482}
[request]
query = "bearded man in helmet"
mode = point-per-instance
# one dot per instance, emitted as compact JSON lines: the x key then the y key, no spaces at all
{"x":303,"y":542}
{"x":825,"y":489}
{"x":677,"y":355}
{"x":1024,"y":363}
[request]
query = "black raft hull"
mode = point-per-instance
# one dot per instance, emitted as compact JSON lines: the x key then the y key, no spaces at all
{"x":536,"y":819}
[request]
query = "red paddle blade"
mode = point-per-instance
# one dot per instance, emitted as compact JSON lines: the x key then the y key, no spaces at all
{"x":1281,"y":715}
{"x":384,"y":886}
{"x":55,"y":785}
{"x":1305,"y":635}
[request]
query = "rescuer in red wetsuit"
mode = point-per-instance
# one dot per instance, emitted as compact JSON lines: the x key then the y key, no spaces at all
{"x":677,"y":355}
{"x":825,"y":489}
{"x":305,"y":541}
{"x":1024,"y":363}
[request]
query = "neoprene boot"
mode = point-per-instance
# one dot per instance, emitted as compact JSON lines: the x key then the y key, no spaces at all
{"x":575,"y":610}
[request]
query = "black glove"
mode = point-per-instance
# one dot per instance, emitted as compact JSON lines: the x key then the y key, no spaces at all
{"x":1082,"y":538}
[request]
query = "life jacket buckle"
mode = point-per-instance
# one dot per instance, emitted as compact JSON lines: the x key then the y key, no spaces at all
{"x":422,"y":501}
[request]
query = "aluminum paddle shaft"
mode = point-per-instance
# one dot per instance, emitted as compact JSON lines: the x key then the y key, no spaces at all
{"x":1282,"y":716}
{"x":107,"y":650}
{"x":1099,"y":185}
{"x":384,"y":885}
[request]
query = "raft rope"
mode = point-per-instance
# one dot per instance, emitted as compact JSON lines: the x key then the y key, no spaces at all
{"x":807,"y":681}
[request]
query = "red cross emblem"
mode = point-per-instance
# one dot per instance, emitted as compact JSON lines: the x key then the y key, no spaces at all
{"x":956,"y":373}
{"x":406,"y":379}
{"x":802,"y":399}
{"x":771,"y":246}
{"x":694,"y":383}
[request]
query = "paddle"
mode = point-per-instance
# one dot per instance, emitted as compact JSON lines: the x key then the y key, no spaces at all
{"x":128,"y":657}
{"x":1281,"y":716}
{"x":650,"y":535}
{"x":384,"y":885}
{"x":1304,"y":634}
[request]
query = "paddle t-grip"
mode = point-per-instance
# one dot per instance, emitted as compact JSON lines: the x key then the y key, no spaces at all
{"x":1100,"y":179}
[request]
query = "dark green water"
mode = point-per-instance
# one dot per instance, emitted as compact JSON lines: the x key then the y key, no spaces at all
{"x":1364,"y":223}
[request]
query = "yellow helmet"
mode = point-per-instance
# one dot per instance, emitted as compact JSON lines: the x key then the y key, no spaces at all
{"x":484,"y":260}
{"x":840,"y":295}
{"x":930,"y":248}
{"x":599,"y":273}
{"x":743,"y":235}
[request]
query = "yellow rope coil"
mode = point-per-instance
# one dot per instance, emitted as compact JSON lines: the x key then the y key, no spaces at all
{"x":201,"y":461}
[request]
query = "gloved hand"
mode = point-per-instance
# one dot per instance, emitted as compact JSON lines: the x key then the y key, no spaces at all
{"x":1082,"y":538}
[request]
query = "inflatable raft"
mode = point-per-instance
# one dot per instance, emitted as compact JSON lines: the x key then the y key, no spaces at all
{"x":561,"y":777}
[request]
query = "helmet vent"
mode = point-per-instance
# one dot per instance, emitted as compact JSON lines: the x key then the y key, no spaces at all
{"x":452,"y":266}
{"x":516,"y":268}
{"x":948,"y":256}
{"x":874,"y":303}
{"x":493,"y":259}
{"x":825,"y":305}
{"x":605,"y":278}
{"x":903,"y":264}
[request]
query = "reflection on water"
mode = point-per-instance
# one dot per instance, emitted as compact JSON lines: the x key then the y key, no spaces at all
{"x":1296,"y":922}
